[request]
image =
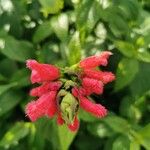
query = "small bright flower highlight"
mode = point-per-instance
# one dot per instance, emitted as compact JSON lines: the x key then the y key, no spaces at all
{"x":63,"y":91}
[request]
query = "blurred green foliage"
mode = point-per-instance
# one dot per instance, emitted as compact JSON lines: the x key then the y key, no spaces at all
{"x":61,"y":32}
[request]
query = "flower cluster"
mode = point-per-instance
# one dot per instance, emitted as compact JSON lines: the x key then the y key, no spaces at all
{"x":63,"y":91}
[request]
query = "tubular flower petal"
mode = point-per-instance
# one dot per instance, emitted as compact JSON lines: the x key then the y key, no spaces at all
{"x":94,"y":61}
{"x":46,"y":87}
{"x":42,"y":72}
{"x":52,"y":109}
{"x":92,"y":86}
{"x":95,"y":109}
{"x":79,"y":91}
{"x":40,"y":107}
{"x":32,"y":111}
{"x":75,"y":125}
{"x":75,"y":92}
{"x":105,"y":77}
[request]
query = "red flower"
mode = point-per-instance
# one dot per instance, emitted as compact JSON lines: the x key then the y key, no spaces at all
{"x":45,"y":105}
{"x":55,"y":94}
{"x":46,"y":87}
{"x":92,"y":86}
{"x":80,"y":90}
{"x":95,"y":109}
{"x":105,"y":77}
{"x":42,"y":72}
{"x":94,"y":61}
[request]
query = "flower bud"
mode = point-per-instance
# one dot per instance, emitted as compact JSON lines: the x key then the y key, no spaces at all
{"x":45,"y":87}
{"x":95,"y":109}
{"x":45,"y":105}
{"x":69,"y":84}
{"x":69,"y":107}
{"x":92,"y":86}
{"x":105,"y":77}
{"x":94,"y":61}
{"x":42,"y":72}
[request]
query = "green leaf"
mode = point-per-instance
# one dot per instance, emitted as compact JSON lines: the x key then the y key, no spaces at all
{"x":130,"y":9}
{"x":126,"y":71}
{"x":121,"y":143}
{"x":9,"y":100}
{"x":128,"y":109}
{"x":134,"y":145}
{"x":2,"y":78}
{"x":51,"y":6}
{"x":74,"y":49}
{"x":14,"y":134}
{"x":43,"y":31}
{"x":83,"y":12}
{"x":60,"y":25}
{"x":21,"y":77}
{"x":109,"y":143}
{"x":144,"y":26}
{"x":6,"y":87}
{"x":16,"y":50}
{"x":100,"y":129}
{"x":44,"y":131}
{"x":117,"y":22}
{"x":49,"y":53}
{"x":86,"y":141}
{"x":8,"y":67}
{"x":143,"y":55}
{"x":88,"y":14}
{"x":118,"y":124}
{"x":63,"y":131}
{"x":95,"y":13}
{"x":141,"y":83}
{"x":60,"y":136}
{"x":141,"y":138}
{"x":127,"y":49}
{"x":145,"y":132}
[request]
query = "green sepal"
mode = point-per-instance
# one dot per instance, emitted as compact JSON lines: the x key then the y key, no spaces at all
{"x":69,"y":84}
